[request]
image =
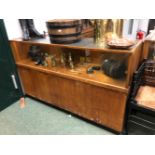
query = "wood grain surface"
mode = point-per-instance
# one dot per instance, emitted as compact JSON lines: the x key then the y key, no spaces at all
{"x":104,"y":106}
{"x":96,"y":97}
{"x":146,"y":97}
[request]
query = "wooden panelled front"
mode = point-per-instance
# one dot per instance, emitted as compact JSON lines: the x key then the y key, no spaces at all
{"x":104,"y":106}
{"x":96,"y":97}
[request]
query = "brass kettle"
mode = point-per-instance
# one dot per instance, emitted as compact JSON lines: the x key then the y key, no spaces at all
{"x":106,"y":29}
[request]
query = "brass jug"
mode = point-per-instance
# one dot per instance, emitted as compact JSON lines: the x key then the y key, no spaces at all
{"x":106,"y":29}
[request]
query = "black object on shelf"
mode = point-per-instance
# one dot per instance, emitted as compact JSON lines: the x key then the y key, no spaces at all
{"x":90,"y":70}
{"x":96,"y":67}
{"x":114,"y":68}
{"x":36,"y":55}
{"x":32,"y":30}
{"x":28,"y":29}
{"x":25,"y":31}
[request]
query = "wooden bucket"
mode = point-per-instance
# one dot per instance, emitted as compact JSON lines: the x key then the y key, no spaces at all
{"x":64,"y":31}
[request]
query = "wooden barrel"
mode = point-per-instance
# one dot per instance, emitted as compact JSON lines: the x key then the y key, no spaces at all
{"x":64,"y":31}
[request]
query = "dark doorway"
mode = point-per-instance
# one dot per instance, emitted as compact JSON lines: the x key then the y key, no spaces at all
{"x":10,"y":89}
{"x":151,"y":25}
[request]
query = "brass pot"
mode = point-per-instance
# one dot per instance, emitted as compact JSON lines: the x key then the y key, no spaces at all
{"x":106,"y":29}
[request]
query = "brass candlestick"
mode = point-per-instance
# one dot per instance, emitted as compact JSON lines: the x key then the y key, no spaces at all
{"x":63,"y":59}
{"x":70,"y":61}
{"x":53,"y":61}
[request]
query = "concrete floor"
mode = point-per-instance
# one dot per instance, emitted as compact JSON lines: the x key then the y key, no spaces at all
{"x":39,"y":119}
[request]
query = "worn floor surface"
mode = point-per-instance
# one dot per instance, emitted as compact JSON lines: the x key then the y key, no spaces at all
{"x":39,"y":119}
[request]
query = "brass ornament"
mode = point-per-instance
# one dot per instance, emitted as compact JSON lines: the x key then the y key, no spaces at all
{"x":107,"y":29}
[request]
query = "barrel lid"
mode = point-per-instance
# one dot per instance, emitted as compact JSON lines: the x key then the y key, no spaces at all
{"x":59,"y":22}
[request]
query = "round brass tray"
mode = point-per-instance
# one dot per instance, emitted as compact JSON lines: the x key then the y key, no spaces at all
{"x":121,"y":43}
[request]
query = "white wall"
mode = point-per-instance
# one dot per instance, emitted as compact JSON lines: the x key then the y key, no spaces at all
{"x":13,"y":28}
{"x":14,"y":31}
{"x":134,"y":30}
{"x":41,"y":24}
{"x":138,"y":24}
{"x":143,"y":24}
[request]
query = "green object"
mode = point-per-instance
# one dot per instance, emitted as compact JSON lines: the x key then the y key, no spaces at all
{"x":10,"y":89}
